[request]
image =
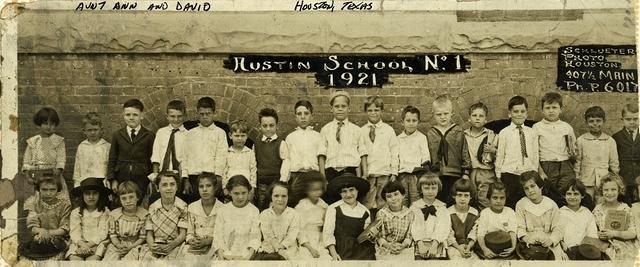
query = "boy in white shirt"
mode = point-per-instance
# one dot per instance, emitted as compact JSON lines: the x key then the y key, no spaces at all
{"x":168,"y":147}
{"x":415,"y":153}
{"x":92,"y":156}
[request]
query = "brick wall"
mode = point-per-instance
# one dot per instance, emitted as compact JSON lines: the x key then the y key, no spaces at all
{"x":78,"y":83}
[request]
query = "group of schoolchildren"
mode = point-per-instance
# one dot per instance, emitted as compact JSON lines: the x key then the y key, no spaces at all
{"x":344,"y":193}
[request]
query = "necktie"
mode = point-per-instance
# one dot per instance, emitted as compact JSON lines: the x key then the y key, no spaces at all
{"x":170,"y":155}
{"x":133,"y":134}
{"x":340,"y":124}
{"x":523,"y":142}
{"x":268,"y":139}
{"x":443,"y":147}
{"x":428,"y":210}
{"x":372,"y":133}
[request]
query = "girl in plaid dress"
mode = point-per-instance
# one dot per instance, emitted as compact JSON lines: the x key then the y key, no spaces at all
{"x":394,"y":241}
{"x":167,"y":223}
{"x":126,"y":225}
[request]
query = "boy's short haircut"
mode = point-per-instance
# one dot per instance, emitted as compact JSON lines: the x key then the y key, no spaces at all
{"x":134,"y":103}
{"x":210,"y":176}
{"x":171,"y":174}
{"x":176,"y":105}
{"x":442,"y":100}
{"x":629,"y":107}
{"x":92,"y":118}
{"x":496,"y":186}
{"x":612,"y":177}
{"x":517,"y":100}
{"x":463,"y":185}
{"x":412,"y":110}
{"x":46,"y":114}
{"x":206,"y":102}
{"x":551,"y":97}
{"x":128,"y":187}
{"x":479,"y":105}
{"x":531,"y":176}
{"x":238,"y":180}
{"x":339,"y":93}
{"x":239,"y":126}
{"x":594,"y":112}
{"x":575,"y":185}
{"x":374,"y":100}
{"x":268,"y":112}
{"x":391,"y":187}
{"x":429,"y":178}
{"x":48,"y":178}
{"x":303,"y":103}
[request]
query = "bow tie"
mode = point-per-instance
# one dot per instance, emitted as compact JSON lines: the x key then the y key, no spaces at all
{"x":428,"y":210}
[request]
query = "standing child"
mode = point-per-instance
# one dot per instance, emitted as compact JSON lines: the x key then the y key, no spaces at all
{"x":482,"y":149}
{"x":556,"y":143}
{"x":47,"y":222}
{"x":130,"y":152}
{"x":539,"y":217}
{"x":497,"y":218}
{"x":207,"y":148}
{"x":89,"y":222}
{"x":394,"y":241}
{"x":517,"y":151}
{"x":126,"y":225}
{"x":92,"y":156}
{"x":597,"y":152}
{"x":168,"y":146}
{"x":271,"y":155}
{"x":624,"y":241}
{"x":578,"y":220}
{"x":628,"y":142}
{"x":202,"y":218}
{"x":432,"y":222}
{"x":237,"y":232}
{"x":313,"y":209}
{"x":280,"y":226}
{"x":240,"y":160}
{"x":344,"y":148}
{"x":448,"y":147}
{"x":303,"y":145}
{"x":346,"y":219}
{"x":415,"y":153}
{"x":464,"y":218}
{"x":167,"y":222}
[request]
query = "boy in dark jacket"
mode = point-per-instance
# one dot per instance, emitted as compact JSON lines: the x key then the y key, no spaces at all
{"x":628,"y":143}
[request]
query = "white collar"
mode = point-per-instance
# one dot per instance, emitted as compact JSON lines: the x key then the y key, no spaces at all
{"x":99,"y":143}
{"x":320,"y":203}
{"x":377,"y":125}
{"x":309,"y":128}
{"x":273,"y":138}
{"x":244,"y":149}
{"x":472,"y":210}
{"x":137,"y":129}
{"x":345,"y":121}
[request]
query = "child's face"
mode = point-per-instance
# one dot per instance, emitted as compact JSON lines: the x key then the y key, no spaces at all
{"x":340,"y":108}
{"x":394,"y":199}
{"x":595,"y":125}
{"x":303,"y":117}
{"x":206,"y":189}
{"x":175,"y":117}
{"x":551,"y":111}
{"x":573,"y":198}
{"x":533,"y":192}
{"x":205,"y":116}
{"x":349,"y":195}
{"x":90,"y":198}
{"x":132,"y":117}
{"x":630,"y":120}
{"x":610,"y":192}
{"x":93,"y":132}
{"x":239,"y":196}
{"x":47,"y":128}
{"x":238,"y":138}
{"x":497,"y":200}
{"x":279,"y":197}
{"x":373,"y":113}
{"x":410,"y":122}
{"x":442,"y":114}
{"x":429,"y":192}
{"x":462,"y":199}
{"x":478,"y":118}
{"x":268,"y":126}
{"x":48,"y":191}
{"x":129,"y":200}
{"x":518,"y":114}
{"x":167,"y":187}
{"x":315,"y":190}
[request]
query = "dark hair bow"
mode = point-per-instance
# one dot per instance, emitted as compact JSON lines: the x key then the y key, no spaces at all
{"x":428,"y":210}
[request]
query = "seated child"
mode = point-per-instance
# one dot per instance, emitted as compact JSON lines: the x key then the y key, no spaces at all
{"x":432,"y":220}
{"x":462,"y":236}
{"x":202,"y":218}
{"x":280,"y":226}
{"x":496,"y":218}
{"x":394,"y":241}
{"x":539,"y":217}
{"x":126,"y":225}
{"x":89,"y":222}
{"x":623,"y":242}
{"x":579,"y":221}
{"x":236,"y":235}
{"x":47,"y":221}
{"x":167,"y":222}
{"x":313,"y":209}
{"x":346,"y":219}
